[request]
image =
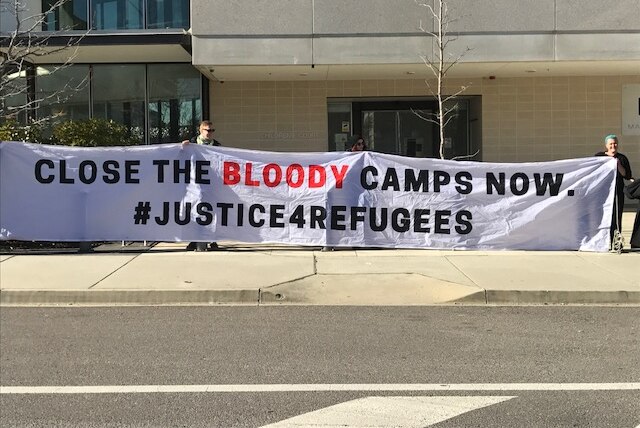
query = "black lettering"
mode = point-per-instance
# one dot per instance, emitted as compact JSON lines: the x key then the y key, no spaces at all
{"x":240,"y":215}
{"x":63,"y":173}
{"x":161,"y":163}
{"x":421,"y":220}
{"x":513,"y":183}
{"x":413,"y":184}
{"x":38,"y":171}
{"x":497,"y":184}
{"x":162,"y":221}
{"x":338,"y":215}
{"x":390,"y":180}
{"x":201,"y":171}
{"x":276,"y":212}
{"x":400,"y":220}
{"x":554,"y":186}
{"x":318,"y":216}
{"x":383,"y":219}
{"x":252,"y":215}
{"x":440,"y":178}
{"x":186,"y":215}
{"x":464,"y":224}
{"x":111,"y":173}
{"x":363,"y":177}
{"x":465,"y":186}
{"x":83,"y":171}
{"x":130,"y":170}
{"x":297,"y":217}
{"x":357,"y":216}
{"x":442,"y":222}
{"x":204,"y":210}
{"x":224,"y":212}
{"x":184,"y":171}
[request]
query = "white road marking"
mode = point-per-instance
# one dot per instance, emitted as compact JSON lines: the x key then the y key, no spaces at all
{"x":389,"y":387}
{"x":383,"y":412}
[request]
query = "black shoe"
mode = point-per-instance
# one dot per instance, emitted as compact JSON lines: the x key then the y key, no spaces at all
{"x":191,"y":246}
{"x":213,"y":247}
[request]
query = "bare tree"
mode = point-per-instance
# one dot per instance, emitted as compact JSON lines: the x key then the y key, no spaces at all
{"x":23,"y":47}
{"x":440,"y":64}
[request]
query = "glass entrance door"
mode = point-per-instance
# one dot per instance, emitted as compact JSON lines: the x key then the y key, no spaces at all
{"x":399,"y":127}
{"x":398,"y":132}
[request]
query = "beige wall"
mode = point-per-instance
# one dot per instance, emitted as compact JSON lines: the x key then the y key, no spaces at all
{"x":524,"y":119}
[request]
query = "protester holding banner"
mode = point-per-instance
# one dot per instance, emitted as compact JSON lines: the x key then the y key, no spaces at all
{"x":358,"y":144}
{"x":624,"y":172}
{"x":205,"y":137}
{"x":633,"y":192}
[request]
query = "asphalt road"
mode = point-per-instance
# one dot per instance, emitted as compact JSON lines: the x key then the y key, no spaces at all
{"x":562,"y":357}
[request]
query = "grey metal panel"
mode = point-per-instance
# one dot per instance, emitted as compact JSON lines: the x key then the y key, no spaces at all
{"x":369,"y":16}
{"x":207,"y":51}
{"x":501,"y":15}
{"x":598,"y":47}
{"x":598,"y":15}
{"x":251,"y":17}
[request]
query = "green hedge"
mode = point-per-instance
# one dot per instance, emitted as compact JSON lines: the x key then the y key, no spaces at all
{"x":11,"y":130}
{"x":81,"y":133}
{"x":92,"y":133}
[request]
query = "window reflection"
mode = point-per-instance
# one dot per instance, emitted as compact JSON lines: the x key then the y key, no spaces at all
{"x":174,"y":102}
{"x":117,"y":14}
{"x":70,"y":15}
{"x":63,"y":94}
{"x":167,"y":13}
{"x":118,"y":94}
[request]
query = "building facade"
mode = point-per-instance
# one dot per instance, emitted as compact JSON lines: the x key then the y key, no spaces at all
{"x":543,"y":79}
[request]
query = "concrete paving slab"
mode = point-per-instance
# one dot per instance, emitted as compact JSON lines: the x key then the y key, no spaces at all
{"x":207,"y":270}
{"x":534,"y":272}
{"x":437,"y":267}
{"x":625,"y":265}
{"x":370,"y":289}
{"x":50,"y":272}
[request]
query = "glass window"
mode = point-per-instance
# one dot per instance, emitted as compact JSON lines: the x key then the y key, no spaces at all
{"x":174,"y":102}
{"x":117,"y":14}
{"x":167,"y":13}
{"x":70,"y":15}
{"x":339,"y":122}
{"x":62,"y":93}
{"x":118,"y":94}
{"x":13,"y":97}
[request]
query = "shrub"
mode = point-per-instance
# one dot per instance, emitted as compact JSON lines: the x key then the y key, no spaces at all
{"x":93,"y":133}
{"x":11,"y":130}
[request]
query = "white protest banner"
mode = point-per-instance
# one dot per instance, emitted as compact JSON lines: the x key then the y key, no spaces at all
{"x":199,"y":193}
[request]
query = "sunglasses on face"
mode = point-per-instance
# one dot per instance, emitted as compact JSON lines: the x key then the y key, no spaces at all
{"x":209,"y":130}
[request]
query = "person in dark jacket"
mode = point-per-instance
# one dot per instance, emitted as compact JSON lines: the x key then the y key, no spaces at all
{"x":205,"y":137}
{"x":624,"y":172}
{"x":633,"y":192}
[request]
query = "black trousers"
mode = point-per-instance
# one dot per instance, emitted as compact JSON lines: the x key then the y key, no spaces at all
{"x":635,"y":235}
{"x":616,"y":215}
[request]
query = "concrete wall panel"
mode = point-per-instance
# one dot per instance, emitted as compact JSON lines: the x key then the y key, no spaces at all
{"x":501,"y":15}
{"x":598,"y":46}
{"x":592,"y":15}
{"x":369,"y":16}
{"x":407,"y":50}
{"x":251,"y":17}
{"x":207,"y":51}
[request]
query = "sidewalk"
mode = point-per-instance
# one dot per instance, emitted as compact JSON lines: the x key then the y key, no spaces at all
{"x":165,"y":274}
